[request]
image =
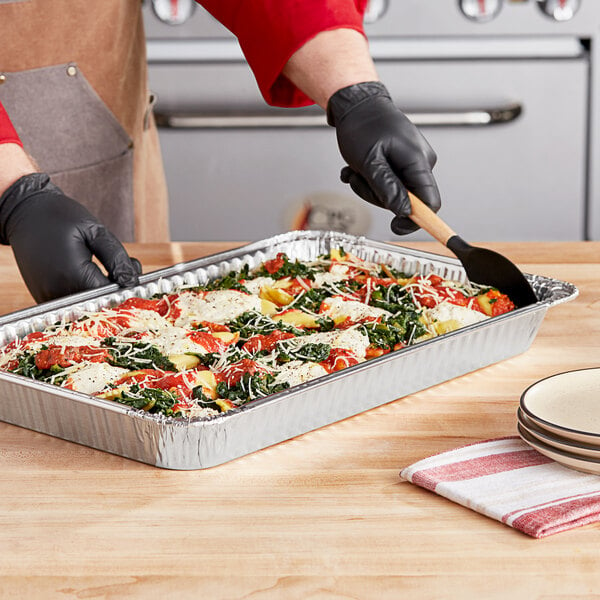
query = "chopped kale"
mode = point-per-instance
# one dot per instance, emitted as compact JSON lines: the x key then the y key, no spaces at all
{"x":210,"y":359}
{"x":386,"y":271}
{"x":203,"y":400}
{"x":287,"y":268}
{"x":259,"y":384}
{"x":399,"y":329}
{"x":151,"y":400}
{"x":231,"y":281}
{"x":136,"y":355}
{"x":311,"y":299}
{"x":326,"y":323}
{"x":393,"y":298}
{"x":307,"y":352}
{"x":28,"y":368}
{"x":252,"y":323}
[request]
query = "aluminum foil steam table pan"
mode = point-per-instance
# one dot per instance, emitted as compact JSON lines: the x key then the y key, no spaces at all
{"x":177,"y":443}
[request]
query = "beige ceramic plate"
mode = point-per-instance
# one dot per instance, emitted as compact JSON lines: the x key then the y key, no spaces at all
{"x":567,"y":459}
{"x":567,"y":405}
{"x":556,"y":441}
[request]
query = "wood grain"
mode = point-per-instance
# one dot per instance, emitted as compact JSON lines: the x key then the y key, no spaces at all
{"x":323,"y":515}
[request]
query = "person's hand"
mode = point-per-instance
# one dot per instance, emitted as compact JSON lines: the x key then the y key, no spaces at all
{"x":385,"y":152}
{"x":53,"y":238}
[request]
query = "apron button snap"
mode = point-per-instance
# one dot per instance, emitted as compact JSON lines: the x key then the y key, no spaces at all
{"x":2,"y":78}
{"x":71,"y":71}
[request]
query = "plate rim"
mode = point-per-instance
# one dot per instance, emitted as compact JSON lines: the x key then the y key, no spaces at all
{"x":548,"y":450}
{"x":534,"y":417}
{"x":535,"y":431}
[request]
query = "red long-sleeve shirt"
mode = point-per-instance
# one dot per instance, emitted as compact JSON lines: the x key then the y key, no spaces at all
{"x":269,"y":32}
{"x":7,"y":131}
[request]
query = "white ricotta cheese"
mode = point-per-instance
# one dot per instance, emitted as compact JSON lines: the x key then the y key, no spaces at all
{"x":446,"y":311}
{"x":350,"y":339}
{"x":64,"y":339}
{"x":296,"y":372}
{"x":336,"y":273}
{"x":175,"y":340}
{"x":93,"y":377}
{"x":339,"y":307}
{"x":145,"y":320}
{"x":254,"y":285}
{"x":219,"y":306}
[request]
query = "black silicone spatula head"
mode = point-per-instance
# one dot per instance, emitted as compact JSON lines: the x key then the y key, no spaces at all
{"x":487,"y":267}
{"x":482,"y":266}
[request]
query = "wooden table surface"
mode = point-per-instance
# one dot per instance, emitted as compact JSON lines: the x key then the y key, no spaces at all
{"x":324,"y":515}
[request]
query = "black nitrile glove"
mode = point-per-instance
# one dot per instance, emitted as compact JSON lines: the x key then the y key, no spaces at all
{"x":385,"y":152}
{"x":54,"y":238}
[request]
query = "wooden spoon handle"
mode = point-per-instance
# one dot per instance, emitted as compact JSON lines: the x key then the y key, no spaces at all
{"x":425,"y":218}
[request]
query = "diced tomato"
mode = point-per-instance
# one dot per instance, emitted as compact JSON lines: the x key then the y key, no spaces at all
{"x":273,"y":265}
{"x":182,"y":405}
{"x":207,"y":341}
{"x":339,"y":358}
{"x":182,"y":384}
{"x":168,"y":307}
{"x":374,"y":281}
{"x":65,"y":356}
{"x":109,"y":324}
{"x":434,"y":280}
{"x":35,"y":336}
{"x":299,"y":285}
{"x":426,"y":300}
{"x":220,"y":377}
{"x":140,"y":303}
{"x":473,"y":304}
{"x":134,"y":335}
{"x":214,"y":326}
{"x":100,"y":329}
{"x":233,"y":373}
{"x":170,"y":380}
{"x":345,"y":324}
{"x":430,"y":293}
{"x":266,"y":342}
{"x":374,"y":352}
{"x":370,"y":283}
{"x":140,"y":376}
{"x":11,"y":365}
{"x":501,"y":303}
{"x":453,"y":296}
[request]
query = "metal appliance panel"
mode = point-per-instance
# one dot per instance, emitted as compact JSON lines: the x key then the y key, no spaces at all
{"x":487,"y":174}
{"x":410,"y":39}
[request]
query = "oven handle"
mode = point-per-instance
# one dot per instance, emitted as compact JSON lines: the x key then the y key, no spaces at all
{"x":445,"y":118}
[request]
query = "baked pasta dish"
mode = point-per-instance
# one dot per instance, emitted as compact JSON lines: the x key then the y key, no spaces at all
{"x":201,"y":351}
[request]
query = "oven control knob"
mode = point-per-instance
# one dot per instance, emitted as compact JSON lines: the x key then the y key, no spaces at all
{"x":375,"y":10}
{"x":173,"y":12}
{"x":559,"y":10}
{"x":480,"y":10}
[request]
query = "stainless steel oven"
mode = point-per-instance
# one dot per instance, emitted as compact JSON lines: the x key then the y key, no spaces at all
{"x":506,"y":91}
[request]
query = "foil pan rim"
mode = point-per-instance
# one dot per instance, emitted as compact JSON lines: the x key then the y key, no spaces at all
{"x":556,"y":292}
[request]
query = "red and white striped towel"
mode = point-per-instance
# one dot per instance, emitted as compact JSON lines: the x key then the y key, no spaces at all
{"x":509,"y":481}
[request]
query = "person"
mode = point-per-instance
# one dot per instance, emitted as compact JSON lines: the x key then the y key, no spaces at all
{"x":73,"y":97}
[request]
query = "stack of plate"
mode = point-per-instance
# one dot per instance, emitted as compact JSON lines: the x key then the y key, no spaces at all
{"x":560,"y":417}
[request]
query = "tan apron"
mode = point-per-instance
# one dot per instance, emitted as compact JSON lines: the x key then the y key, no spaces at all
{"x":75,"y":88}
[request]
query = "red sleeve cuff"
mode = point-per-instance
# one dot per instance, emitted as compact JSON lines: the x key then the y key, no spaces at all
{"x":270,"y":31}
{"x":8,"y":134}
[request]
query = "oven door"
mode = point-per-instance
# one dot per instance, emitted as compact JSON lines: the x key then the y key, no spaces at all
{"x":509,"y":132}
